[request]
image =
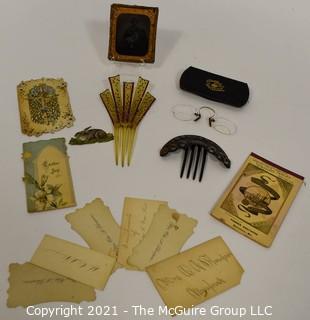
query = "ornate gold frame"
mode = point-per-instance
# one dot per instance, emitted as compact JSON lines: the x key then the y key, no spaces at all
{"x":151,"y":13}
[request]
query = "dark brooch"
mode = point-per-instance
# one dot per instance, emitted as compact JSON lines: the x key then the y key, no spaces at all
{"x":196,"y":148}
{"x":89,"y":135}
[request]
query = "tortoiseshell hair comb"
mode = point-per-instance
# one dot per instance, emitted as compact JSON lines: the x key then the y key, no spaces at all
{"x":196,"y":148}
{"x":126,"y":109}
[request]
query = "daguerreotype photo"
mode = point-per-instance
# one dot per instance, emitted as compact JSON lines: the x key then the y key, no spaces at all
{"x":133,"y":33}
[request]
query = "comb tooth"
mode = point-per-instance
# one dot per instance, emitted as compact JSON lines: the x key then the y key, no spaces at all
{"x":192,"y":151}
{"x":131,"y":145}
{"x":127,"y":141}
{"x":121,"y":137}
{"x":184,"y":162}
{"x":197,"y":162}
{"x":203,"y":162}
{"x":116,"y":141}
{"x":128,"y":144}
{"x":122,"y":141}
{"x":124,"y":145}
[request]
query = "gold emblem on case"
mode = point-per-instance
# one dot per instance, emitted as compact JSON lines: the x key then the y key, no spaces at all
{"x":215,"y":85}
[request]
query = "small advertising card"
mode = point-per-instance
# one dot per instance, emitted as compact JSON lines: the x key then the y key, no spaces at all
{"x":257,"y":200}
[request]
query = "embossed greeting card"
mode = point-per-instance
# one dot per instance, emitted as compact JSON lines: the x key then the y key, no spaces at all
{"x":44,"y":106}
{"x":47,"y":175}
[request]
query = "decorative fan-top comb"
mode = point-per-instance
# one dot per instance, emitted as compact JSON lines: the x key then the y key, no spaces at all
{"x":197,"y":148}
{"x":126,"y":110}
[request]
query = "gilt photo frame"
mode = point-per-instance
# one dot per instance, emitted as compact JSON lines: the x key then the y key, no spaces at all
{"x":133,"y":33}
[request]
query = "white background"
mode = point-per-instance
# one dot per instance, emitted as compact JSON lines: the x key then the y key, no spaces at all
{"x":264,"y":43}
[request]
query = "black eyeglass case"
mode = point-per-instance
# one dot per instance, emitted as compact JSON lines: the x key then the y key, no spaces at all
{"x":215,"y":87}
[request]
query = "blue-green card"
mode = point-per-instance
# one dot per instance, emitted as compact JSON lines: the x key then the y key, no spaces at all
{"x":47,"y":175}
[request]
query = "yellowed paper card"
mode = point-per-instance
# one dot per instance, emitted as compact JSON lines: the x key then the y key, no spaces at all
{"x":96,"y":225}
{"x":73,"y":261}
{"x":196,"y":275}
{"x":167,"y":234}
{"x":257,"y":200}
{"x":31,"y":285}
{"x":137,"y":217}
{"x":44,"y":106}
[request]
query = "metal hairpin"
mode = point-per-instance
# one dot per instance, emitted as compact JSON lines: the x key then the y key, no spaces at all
{"x":196,"y":149}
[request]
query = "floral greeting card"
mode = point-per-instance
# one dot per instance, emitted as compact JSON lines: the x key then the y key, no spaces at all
{"x":47,"y":175}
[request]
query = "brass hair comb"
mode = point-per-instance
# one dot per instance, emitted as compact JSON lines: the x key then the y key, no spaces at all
{"x":126,"y":110}
{"x":196,"y":148}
